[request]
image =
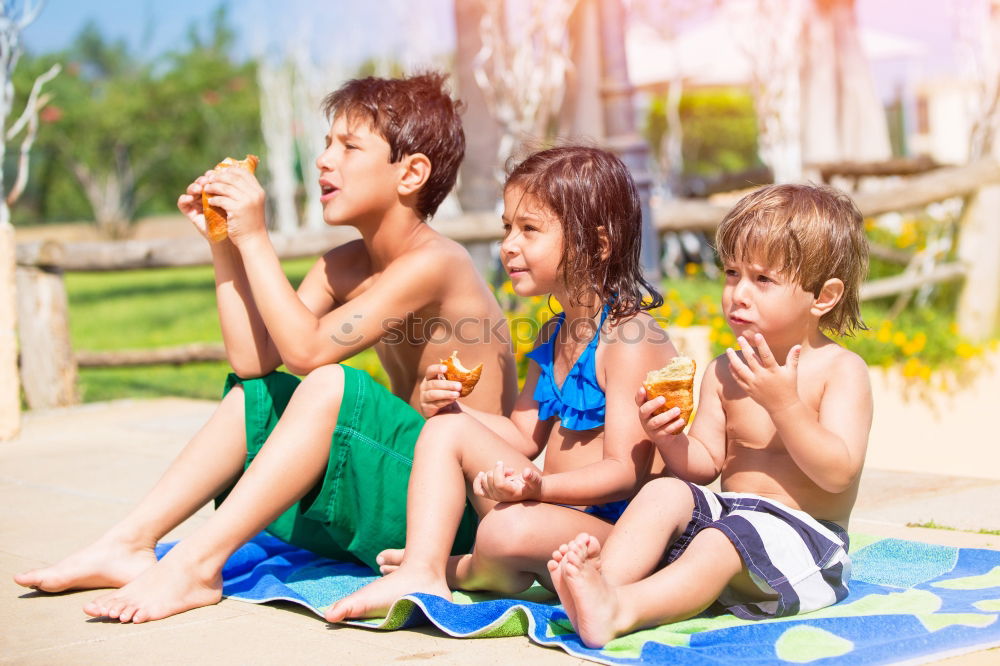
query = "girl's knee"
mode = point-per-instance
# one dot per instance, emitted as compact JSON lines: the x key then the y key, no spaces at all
{"x":506,"y":531}
{"x":445,"y":430}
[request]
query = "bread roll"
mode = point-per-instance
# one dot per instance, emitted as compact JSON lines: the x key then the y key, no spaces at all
{"x":459,"y":373}
{"x":215,"y":217}
{"x":675,"y":382}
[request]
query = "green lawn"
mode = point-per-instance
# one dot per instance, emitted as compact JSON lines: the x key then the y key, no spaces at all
{"x":165,"y":307}
{"x":155,"y":308}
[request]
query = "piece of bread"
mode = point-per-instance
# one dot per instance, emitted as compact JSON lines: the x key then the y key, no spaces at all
{"x":459,"y":373}
{"x":215,"y":217}
{"x":675,"y":382}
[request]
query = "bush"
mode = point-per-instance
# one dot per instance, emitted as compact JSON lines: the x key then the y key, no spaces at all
{"x":719,"y":130}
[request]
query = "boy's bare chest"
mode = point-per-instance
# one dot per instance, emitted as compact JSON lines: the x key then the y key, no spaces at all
{"x":748,"y":424}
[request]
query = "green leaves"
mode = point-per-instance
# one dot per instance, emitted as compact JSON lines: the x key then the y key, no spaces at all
{"x":124,"y":136}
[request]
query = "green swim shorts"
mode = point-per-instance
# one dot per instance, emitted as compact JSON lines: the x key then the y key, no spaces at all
{"x":358,"y":507}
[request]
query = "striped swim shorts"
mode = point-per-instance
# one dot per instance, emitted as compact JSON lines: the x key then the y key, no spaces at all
{"x":787,"y":552}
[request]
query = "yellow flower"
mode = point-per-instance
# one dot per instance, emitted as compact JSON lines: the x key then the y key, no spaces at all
{"x":965,"y":350}
{"x":691,"y":268}
{"x":718,"y":322}
{"x":899,"y":339}
{"x":685,"y":318}
{"x":884,"y":335}
{"x":911,"y":368}
{"x":726,"y":339}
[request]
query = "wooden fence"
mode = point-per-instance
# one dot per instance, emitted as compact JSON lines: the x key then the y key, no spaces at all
{"x":48,"y":364}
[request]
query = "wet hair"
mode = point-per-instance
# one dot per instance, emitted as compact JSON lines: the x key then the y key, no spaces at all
{"x":414,"y":115}
{"x":590,"y":189}
{"x":810,"y":234}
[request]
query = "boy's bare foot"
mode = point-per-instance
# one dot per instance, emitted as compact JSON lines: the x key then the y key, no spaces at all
{"x":171,"y":586}
{"x":375,"y":598}
{"x":389,"y":560}
{"x":595,"y":602}
{"x":107,"y":562}
{"x":555,"y":571}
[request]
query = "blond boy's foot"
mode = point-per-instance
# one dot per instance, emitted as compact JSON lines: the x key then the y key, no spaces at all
{"x":595,"y":602}
{"x":375,"y":598}
{"x":104,"y":563}
{"x":555,"y":572}
{"x":389,"y":560}
{"x":171,"y":586}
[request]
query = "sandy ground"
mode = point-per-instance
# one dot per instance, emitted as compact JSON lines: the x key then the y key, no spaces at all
{"x":74,"y":471}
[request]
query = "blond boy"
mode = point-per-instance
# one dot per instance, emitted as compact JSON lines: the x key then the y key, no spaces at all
{"x":788,"y":439}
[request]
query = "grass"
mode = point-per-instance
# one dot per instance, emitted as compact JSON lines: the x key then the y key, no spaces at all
{"x":930,"y":524}
{"x":165,"y":307}
{"x":156,"y":308}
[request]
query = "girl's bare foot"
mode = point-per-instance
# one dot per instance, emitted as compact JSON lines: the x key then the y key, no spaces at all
{"x":108,"y":562}
{"x":595,"y":602}
{"x":375,"y":598}
{"x":172,"y":586}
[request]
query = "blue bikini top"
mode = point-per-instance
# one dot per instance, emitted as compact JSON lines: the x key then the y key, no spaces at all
{"x":580,"y":402}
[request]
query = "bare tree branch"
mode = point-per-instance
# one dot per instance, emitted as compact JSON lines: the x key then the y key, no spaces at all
{"x":29,"y":116}
{"x":33,"y":106}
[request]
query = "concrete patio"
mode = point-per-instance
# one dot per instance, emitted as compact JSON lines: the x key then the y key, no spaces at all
{"x":74,"y":471}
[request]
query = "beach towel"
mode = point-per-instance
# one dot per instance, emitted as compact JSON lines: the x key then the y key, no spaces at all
{"x":909,"y":602}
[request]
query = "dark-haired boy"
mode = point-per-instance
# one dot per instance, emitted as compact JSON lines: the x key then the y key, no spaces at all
{"x":337,"y":441}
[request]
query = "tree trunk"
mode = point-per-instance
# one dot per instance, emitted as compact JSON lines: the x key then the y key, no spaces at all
{"x":842,"y":115}
{"x":620,"y":126}
{"x":581,"y":117}
{"x":277,"y":120}
{"x":478,"y":187}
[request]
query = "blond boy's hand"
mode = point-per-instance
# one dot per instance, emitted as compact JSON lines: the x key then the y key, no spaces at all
{"x":238,"y":192}
{"x":437,"y":394}
{"x":189,"y":204}
{"x":658,"y":426}
{"x":773,"y":386}
{"x":503,"y":484}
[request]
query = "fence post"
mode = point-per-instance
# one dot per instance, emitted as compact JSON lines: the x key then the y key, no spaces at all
{"x":48,"y":368}
{"x":10,"y":385}
{"x":979,"y":251}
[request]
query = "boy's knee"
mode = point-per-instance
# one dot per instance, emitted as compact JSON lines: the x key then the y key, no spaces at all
{"x":326,"y":381}
{"x":665,"y":490}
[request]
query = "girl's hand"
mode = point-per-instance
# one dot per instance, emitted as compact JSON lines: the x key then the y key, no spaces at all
{"x":774,"y":387}
{"x":237,"y":192}
{"x":658,"y":426}
{"x":503,"y":484}
{"x":438,"y":394}
{"x":189,"y":204}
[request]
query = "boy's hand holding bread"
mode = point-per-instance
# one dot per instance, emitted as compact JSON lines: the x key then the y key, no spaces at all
{"x":668,"y":391}
{"x":215,"y":217}
{"x":237,"y":194}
